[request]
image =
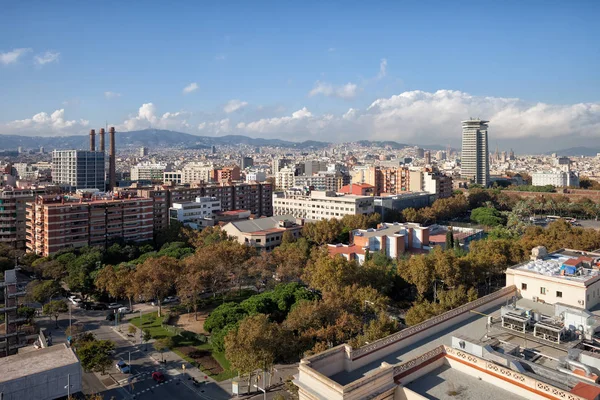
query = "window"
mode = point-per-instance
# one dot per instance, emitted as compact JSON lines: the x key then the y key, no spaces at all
{"x":542,"y":290}
{"x":558,"y":294}
{"x":523,"y":286}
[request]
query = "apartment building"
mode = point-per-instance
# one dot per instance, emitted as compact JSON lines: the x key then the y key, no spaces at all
{"x":13,"y":212}
{"x":264,"y":234}
{"x":323,"y":181}
{"x":228,"y":174}
{"x":70,"y":221}
{"x":390,"y":180}
{"x":317,"y":205}
{"x":148,"y":171}
{"x":13,"y":336}
{"x":78,"y":169}
{"x":431,"y":182}
{"x":196,"y":214}
{"x":284,"y":178}
{"x":255,"y":176}
{"x":254,"y":197}
{"x":358,"y":189}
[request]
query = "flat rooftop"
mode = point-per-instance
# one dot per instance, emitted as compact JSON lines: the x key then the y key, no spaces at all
{"x":552,"y":263}
{"x":474,"y":327}
{"x":386,"y":229}
{"x":446,"y":382}
{"x":35,"y":362}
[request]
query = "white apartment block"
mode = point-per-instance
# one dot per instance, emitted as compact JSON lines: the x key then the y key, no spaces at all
{"x":555,"y":178}
{"x":78,"y":169}
{"x":194,"y":213}
{"x":148,"y":171}
{"x":197,"y":172}
{"x":320,"y":205}
{"x":284,"y":178}
{"x":256,"y":176}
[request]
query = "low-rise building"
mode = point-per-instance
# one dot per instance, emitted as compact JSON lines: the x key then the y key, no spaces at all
{"x":318,"y":205}
{"x":196,"y":214}
{"x":41,"y":374}
{"x":394,"y":204}
{"x":264,"y":234}
{"x":566,"y":276}
{"x":462,"y":235}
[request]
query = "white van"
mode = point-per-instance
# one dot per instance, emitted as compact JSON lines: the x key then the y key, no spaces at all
{"x":123,"y":310}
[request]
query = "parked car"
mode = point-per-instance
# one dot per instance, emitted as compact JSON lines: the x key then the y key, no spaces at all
{"x":76,"y":301}
{"x":123,"y":367}
{"x":114,"y":305}
{"x":99,"y":306}
{"x":123,"y":310}
{"x":87,"y":305}
{"x":169,"y":299}
{"x":158,"y":376}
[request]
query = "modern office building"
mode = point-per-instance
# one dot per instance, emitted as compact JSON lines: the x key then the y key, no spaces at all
{"x":147,"y":171}
{"x":78,"y":169}
{"x":246,"y":162}
{"x":264,"y":234}
{"x":474,"y":161}
{"x":143,"y":151}
{"x":70,"y":221}
{"x":196,"y":214}
{"x":317,"y":205}
{"x":13,"y":212}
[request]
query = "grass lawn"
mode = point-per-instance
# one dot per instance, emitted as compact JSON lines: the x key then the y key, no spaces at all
{"x":151,"y":323}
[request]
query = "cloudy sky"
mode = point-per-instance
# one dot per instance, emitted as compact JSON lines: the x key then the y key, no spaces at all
{"x":340,"y":71}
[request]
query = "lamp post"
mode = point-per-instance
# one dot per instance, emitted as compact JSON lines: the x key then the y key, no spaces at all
{"x":68,"y":387}
{"x":141,"y":329}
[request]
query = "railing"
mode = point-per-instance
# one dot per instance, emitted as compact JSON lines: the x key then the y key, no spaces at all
{"x":415,"y":362}
{"x":512,"y":376}
{"x":403,"y":334}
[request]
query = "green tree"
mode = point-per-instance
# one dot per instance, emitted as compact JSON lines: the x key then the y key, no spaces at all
{"x":327,"y":273}
{"x":42,"y":291}
{"x":449,"y":239}
{"x":155,"y":278}
{"x":26,"y":312}
{"x":55,"y":308}
{"x":95,"y":355}
{"x":146,"y":337}
{"x":487,"y":216}
{"x":253,"y":345}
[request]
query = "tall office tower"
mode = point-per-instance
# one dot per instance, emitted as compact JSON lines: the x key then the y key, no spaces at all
{"x":112,"y":160}
{"x":474,"y":160}
{"x":143,"y":151}
{"x":246,"y":162}
{"x":78,"y":169}
{"x":427,"y":157}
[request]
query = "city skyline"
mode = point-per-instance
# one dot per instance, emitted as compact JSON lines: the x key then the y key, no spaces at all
{"x":259,"y":72}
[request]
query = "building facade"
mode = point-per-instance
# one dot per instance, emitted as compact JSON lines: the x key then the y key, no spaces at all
{"x":474,"y":161}
{"x":284,"y":178}
{"x":148,"y":171}
{"x":60,"y":222}
{"x":78,"y":169}
{"x":264,"y":234}
{"x":317,"y":205}
{"x":557,"y":179}
{"x":197,"y":213}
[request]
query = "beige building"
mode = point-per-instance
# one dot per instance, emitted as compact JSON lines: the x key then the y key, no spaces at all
{"x":568,"y":277}
{"x":264,"y":233}
{"x":318,"y":205}
{"x":284,"y":178}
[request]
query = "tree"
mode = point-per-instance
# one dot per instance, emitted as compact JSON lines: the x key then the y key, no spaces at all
{"x":95,"y":355}
{"x":190,"y":284}
{"x":55,"y":308}
{"x":449,"y":239}
{"x":146,"y":337}
{"x":327,"y":273}
{"x":253,"y":345}
{"x":42,"y":291}
{"x":155,"y":278}
{"x":26,"y":312}
{"x":163,"y":344}
{"x":132,"y":329}
{"x":117,"y":281}
{"x":487,"y":216}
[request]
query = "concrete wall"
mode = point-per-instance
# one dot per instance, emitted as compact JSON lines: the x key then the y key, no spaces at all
{"x":43,"y":386}
{"x":572,"y":293}
{"x":403,"y":393}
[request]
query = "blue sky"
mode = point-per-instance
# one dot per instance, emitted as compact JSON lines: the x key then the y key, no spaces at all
{"x":497,"y":58}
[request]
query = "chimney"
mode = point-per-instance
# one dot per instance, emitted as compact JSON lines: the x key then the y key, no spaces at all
{"x":112,"y":174}
{"x":92,"y":140}
{"x":102,"y":141}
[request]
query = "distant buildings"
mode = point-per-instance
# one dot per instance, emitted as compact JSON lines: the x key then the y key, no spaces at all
{"x":78,"y":169}
{"x":143,"y":151}
{"x":394,"y":180}
{"x":323,"y":181}
{"x":284,"y":178}
{"x":228,"y":174}
{"x":474,"y":159}
{"x":55,"y":223}
{"x":358,"y":189}
{"x":196,"y":214}
{"x":246,"y":162}
{"x":147,"y":171}
{"x":264,"y":234}
{"x":316,"y":205}
{"x":255,"y":176}
{"x":555,"y":178}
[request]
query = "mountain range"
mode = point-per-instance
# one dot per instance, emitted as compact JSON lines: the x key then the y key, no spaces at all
{"x":576,"y":151}
{"x":156,"y":138}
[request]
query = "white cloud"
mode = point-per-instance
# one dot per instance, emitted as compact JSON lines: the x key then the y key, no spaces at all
{"x":44,"y":123}
{"x":192,"y":87}
{"x":111,"y":95}
{"x":234,"y":105}
{"x":346,"y":91}
{"x":47,"y":57}
{"x":220,"y":57}
{"x":382,"y":68}
{"x":13,"y":56}
{"x":147,"y":117}
{"x":215,"y":127}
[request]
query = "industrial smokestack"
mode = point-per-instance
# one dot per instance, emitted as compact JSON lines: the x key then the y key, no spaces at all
{"x":102,"y":140}
{"x":112,"y":159}
{"x":92,"y":140}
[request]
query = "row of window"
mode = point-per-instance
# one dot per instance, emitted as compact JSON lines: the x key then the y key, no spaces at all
{"x":542,"y":290}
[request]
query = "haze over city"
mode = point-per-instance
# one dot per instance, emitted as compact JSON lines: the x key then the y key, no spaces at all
{"x":394,"y":71}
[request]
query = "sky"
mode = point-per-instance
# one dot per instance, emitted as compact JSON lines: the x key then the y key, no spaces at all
{"x":337,"y":71}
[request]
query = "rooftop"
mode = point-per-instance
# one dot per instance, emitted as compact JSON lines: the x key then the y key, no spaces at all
{"x":386,"y":229}
{"x":552,"y":265}
{"x":262,"y":224}
{"x":20,"y":365}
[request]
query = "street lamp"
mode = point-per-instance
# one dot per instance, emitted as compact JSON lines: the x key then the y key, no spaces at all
{"x":141,"y":329}
{"x":69,"y":386}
